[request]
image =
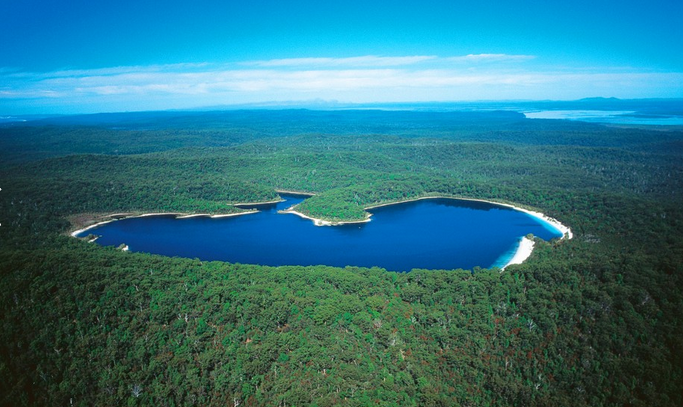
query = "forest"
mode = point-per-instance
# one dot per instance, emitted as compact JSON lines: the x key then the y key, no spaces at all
{"x":592,"y":321}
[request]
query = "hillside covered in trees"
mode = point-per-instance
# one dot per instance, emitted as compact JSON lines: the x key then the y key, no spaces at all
{"x":593,"y":321}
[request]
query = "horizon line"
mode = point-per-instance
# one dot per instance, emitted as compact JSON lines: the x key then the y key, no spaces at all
{"x":330,"y":104}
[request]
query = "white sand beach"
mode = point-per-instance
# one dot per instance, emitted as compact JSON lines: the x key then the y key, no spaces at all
{"x":526,"y":246}
{"x":226,"y":215}
{"x":178,"y":215}
{"x":285,"y":191}
{"x":79,"y":231}
{"x":321,"y":222}
{"x":566,"y":232}
{"x":258,"y":203}
{"x":524,"y":250}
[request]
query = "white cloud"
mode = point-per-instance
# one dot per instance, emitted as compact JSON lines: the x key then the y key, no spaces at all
{"x":361,"y":79}
{"x":358,"y":62}
{"x":372,"y":61}
{"x":475,"y":58}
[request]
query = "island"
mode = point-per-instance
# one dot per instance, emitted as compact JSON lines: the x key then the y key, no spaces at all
{"x":567,"y":325}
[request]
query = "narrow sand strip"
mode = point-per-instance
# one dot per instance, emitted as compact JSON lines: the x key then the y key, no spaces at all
{"x":526,"y":246}
{"x":285,"y":191}
{"x":178,"y":215}
{"x":320,"y":222}
{"x":566,"y":232}
{"x":258,"y":203}
{"x":79,"y":231}
{"x":523,"y":252}
{"x":227,"y":215}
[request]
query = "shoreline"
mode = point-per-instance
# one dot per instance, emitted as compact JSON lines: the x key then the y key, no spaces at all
{"x":258,"y":203}
{"x":525,"y":247}
{"x":178,"y":215}
{"x":316,"y":221}
{"x":524,"y":250}
{"x":522,"y":253}
{"x":321,"y":222}
{"x":107,"y":218}
{"x":223,"y":215}
{"x":285,"y":191}
{"x":565,"y":230}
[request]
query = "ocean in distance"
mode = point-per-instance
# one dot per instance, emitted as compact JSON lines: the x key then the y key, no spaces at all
{"x":608,"y":117}
{"x":429,"y":234}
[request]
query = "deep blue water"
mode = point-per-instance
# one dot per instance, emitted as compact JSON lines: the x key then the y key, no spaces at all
{"x":431,"y":234}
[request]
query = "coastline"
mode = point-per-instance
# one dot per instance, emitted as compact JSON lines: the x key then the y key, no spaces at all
{"x":225,"y":215}
{"x":258,"y":203}
{"x":524,"y":250}
{"x":79,"y":231}
{"x":285,"y":191}
{"x":179,"y":215}
{"x":107,"y":218}
{"x":321,"y":222}
{"x":526,"y":246}
{"x":522,"y":253}
{"x":566,"y":231}
{"x":316,"y":221}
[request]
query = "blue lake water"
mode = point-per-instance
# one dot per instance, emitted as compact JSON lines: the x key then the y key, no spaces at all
{"x":431,"y":234}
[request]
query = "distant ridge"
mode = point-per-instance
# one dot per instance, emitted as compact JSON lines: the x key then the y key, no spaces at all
{"x":311,"y":109}
{"x":599,"y":99}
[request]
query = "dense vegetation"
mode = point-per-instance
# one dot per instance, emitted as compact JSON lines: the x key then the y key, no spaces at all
{"x":592,"y":321}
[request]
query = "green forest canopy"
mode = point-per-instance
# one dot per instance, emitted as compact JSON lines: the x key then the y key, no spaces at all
{"x":591,"y":321}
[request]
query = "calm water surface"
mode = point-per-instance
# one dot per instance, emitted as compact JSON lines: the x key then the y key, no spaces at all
{"x":431,"y":234}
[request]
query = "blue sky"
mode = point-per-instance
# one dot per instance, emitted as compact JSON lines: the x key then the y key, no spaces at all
{"x":87,"y":56}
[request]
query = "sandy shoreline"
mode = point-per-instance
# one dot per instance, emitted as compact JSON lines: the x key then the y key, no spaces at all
{"x":526,"y":246}
{"x":258,"y":203}
{"x":225,"y":215}
{"x":178,"y":215}
{"x":316,"y":221}
{"x":321,"y":222}
{"x":524,"y":250}
{"x":566,"y":232}
{"x":285,"y":191}
{"x":79,"y":231}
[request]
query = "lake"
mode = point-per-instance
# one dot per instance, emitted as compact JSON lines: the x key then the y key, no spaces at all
{"x":432,"y":234}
